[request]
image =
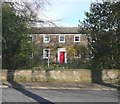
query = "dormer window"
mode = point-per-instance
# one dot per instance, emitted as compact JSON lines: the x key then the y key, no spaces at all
{"x":46,"y":39}
{"x":62,"y":38}
{"x":77,"y":38}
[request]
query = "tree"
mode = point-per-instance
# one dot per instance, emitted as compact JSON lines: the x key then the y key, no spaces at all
{"x":31,"y":11}
{"x":77,"y":54}
{"x":102,"y":26}
{"x":16,"y":46}
{"x":22,"y":16}
{"x":0,"y":35}
{"x":28,"y":10}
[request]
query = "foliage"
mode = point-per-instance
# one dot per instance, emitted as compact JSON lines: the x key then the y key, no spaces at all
{"x":102,"y":26}
{"x":77,"y":56}
{"x":16,"y":43}
{"x":57,"y":66}
{"x":31,"y":11}
{"x":71,"y":52}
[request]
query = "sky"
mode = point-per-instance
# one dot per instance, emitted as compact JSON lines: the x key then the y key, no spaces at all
{"x":66,"y":13}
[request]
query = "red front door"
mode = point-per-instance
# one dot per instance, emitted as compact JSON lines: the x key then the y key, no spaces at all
{"x":62,"y":57}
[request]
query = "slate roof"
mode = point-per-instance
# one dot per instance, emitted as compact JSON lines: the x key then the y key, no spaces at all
{"x":54,"y":30}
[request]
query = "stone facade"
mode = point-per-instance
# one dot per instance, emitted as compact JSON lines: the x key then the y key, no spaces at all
{"x":58,"y":49}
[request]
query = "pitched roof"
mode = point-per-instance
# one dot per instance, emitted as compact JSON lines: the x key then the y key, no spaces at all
{"x":54,"y":30}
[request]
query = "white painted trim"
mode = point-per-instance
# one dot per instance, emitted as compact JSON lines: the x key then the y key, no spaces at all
{"x":76,"y":36}
{"x":62,"y":50}
{"x":44,"y":53}
{"x":59,"y":38}
{"x":45,"y":40}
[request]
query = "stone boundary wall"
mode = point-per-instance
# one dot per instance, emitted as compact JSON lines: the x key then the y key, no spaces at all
{"x":79,"y":75}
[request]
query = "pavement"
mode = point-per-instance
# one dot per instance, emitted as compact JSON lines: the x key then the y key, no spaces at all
{"x":55,"y":85}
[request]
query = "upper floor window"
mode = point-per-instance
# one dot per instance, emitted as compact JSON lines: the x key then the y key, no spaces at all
{"x":46,"y":53}
{"x":62,"y":38}
{"x":46,"y":39}
{"x":77,"y":38}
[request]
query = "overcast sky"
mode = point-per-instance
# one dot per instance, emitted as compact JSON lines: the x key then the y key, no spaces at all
{"x":67,"y":12}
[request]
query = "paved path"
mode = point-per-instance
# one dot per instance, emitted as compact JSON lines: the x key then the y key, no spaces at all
{"x":58,"y":95}
{"x":57,"y":85}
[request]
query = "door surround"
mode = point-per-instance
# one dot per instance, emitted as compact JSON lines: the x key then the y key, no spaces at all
{"x":62,"y":50}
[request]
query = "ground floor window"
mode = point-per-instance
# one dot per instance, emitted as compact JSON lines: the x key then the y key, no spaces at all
{"x":46,"y":53}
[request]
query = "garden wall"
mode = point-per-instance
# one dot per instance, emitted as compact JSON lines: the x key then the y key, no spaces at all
{"x":79,"y":75}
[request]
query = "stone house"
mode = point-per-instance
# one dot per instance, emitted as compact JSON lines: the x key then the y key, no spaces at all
{"x":57,"y":44}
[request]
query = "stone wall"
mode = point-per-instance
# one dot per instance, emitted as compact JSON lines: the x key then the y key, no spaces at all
{"x":79,"y":75}
{"x":109,"y":75}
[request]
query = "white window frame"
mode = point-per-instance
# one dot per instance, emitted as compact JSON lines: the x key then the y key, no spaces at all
{"x":60,"y":40}
{"x":75,"y":37}
{"x":44,"y":39}
{"x":44,"y":56}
